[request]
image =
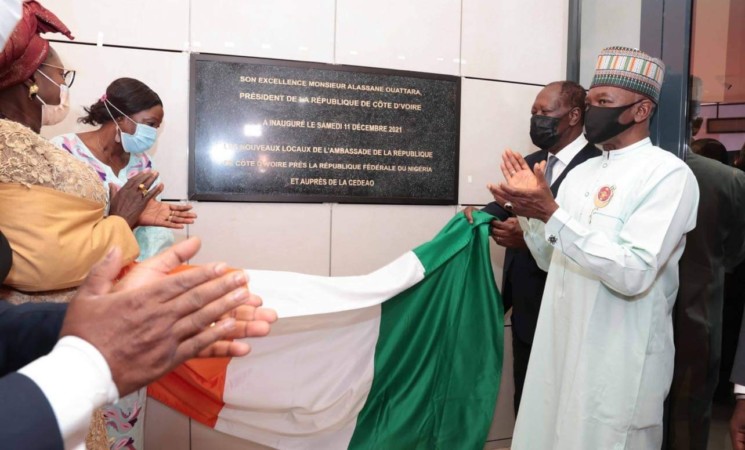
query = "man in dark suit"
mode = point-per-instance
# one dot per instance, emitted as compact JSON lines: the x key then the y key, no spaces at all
{"x":556,"y":127}
{"x":27,"y":332}
{"x":716,"y":245}
{"x":737,"y":422}
{"x":114,"y":339}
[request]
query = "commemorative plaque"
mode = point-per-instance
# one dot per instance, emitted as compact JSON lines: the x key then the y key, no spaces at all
{"x":280,"y":131}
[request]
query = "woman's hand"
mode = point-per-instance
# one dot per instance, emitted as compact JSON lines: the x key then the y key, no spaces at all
{"x":168,"y":215}
{"x":130,"y":200}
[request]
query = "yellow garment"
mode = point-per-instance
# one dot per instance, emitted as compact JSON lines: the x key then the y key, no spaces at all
{"x":55,"y":247}
{"x":53,"y":213}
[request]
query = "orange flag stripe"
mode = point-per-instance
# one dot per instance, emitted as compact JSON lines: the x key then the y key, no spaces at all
{"x":196,"y":387}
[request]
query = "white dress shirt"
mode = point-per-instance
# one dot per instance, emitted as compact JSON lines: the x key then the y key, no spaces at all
{"x":565,"y":156}
{"x":76,"y":380}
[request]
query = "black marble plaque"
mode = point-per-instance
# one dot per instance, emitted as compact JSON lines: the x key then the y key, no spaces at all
{"x":280,"y":131}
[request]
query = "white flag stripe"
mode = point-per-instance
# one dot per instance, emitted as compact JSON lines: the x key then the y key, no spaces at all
{"x":292,"y":392}
{"x":294,"y":294}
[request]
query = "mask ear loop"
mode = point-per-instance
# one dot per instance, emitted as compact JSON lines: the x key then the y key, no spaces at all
{"x":33,"y":91}
{"x":105,"y":101}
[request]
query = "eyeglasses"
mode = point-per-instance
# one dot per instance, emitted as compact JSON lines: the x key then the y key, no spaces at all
{"x":68,"y":75}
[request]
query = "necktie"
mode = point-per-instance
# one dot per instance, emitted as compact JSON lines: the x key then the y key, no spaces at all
{"x":550,"y":168}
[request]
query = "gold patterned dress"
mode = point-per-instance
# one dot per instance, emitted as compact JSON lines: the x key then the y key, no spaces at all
{"x":53,"y":217}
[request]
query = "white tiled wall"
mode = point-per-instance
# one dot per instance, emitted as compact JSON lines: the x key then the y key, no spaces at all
{"x":161,"y":24}
{"x":366,"y":237}
{"x":494,"y":116}
{"x":205,"y":438}
{"x":293,"y":238}
{"x":165,"y":428}
{"x":522,"y":41}
{"x":419,"y":35}
{"x":510,"y":46}
{"x":284,"y":29}
{"x":605,"y":24}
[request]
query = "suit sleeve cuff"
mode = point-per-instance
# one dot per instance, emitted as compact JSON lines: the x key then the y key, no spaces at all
{"x":739,"y":389}
{"x":76,"y":380}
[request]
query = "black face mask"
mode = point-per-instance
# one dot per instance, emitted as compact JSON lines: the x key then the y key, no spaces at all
{"x":602,"y":124}
{"x":544,"y":131}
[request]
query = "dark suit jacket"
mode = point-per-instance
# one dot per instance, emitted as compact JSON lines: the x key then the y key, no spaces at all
{"x":27,"y":332}
{"x":523,"y":280}
{"x":27,"y":419}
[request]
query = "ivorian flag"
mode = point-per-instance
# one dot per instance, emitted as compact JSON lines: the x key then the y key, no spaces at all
{"x":407,"y":357}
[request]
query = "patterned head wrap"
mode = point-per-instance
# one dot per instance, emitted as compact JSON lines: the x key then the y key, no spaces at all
{"x":26,"y":49}
{"x":629,"y":69}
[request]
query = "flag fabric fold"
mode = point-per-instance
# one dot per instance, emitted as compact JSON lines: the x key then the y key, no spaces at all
{"x":407,"y":357}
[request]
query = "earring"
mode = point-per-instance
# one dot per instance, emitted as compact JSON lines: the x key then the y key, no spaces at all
{"x":117,"y":139}
{"x":33,"y":90}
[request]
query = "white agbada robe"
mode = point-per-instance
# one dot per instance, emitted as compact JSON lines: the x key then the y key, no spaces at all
{"x":602,"y":358}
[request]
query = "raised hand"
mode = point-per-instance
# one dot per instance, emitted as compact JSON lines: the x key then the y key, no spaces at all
{"x":517,"y":172}
{"x":168,"y":215}
{"x":525,"y":193}
{"x":151,"y":321}
{"x":130,"y":200}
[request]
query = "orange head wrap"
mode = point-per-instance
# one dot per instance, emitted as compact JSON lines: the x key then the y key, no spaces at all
{"x":26,"y":49}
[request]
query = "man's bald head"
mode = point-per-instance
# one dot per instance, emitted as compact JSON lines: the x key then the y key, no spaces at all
{"x":564,"y":103}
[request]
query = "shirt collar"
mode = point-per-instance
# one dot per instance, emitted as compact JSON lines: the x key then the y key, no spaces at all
{"x":629,"y":149}
{"x":567,"y":154}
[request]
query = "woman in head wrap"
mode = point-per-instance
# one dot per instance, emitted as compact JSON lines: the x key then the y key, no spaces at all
{"x":53,"y":205}
{"x":128,"y":115}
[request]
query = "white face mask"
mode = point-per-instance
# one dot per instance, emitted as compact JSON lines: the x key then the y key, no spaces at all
{"x":54,"y":114}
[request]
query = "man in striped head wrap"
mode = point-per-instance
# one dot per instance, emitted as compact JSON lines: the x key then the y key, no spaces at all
{"x":603,"y":351}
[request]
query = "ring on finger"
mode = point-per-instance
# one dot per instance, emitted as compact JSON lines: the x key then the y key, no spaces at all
{"x":508,"y":206}
{"x":143,"y":189}
{"x":512,"y":173}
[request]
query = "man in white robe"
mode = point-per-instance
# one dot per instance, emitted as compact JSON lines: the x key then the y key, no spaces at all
{"x":611,"y":241}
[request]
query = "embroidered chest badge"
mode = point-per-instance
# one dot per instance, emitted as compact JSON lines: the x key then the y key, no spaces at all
{"x":604,"y":196}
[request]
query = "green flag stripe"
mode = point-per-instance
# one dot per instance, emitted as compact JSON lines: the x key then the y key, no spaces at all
{"x":438,"y":359}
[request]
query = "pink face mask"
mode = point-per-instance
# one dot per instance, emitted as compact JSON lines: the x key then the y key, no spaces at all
{"x":54,"y":114}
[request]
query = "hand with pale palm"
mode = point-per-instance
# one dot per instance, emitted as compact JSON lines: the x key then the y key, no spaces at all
{"x":168,"y":215}
{"x":525,"y":192}
{"x":153,"y":320}
{"x":517,"y":172}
